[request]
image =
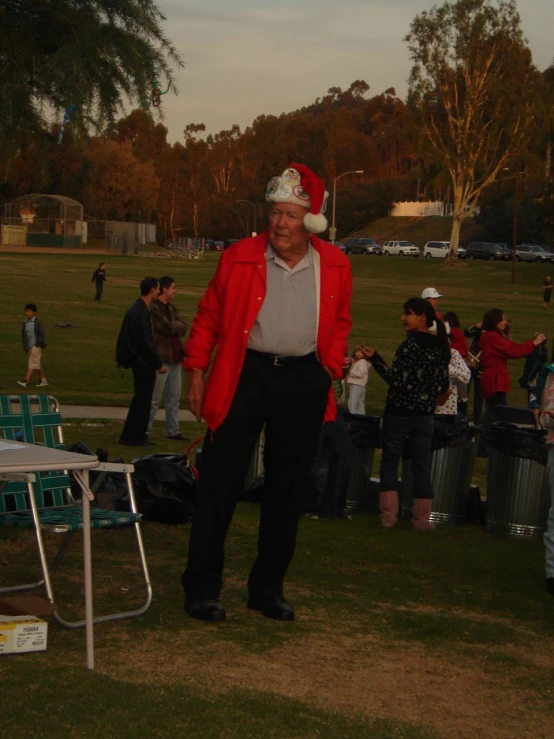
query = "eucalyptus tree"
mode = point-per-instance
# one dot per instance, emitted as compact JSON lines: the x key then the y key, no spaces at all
{"x":472,"y":89}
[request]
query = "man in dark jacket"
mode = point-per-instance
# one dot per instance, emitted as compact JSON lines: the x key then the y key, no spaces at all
{"x":169,"y":329}
{"x":136,"y":349}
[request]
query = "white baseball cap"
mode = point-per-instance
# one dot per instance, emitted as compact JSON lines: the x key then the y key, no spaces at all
{"x":431,"y":292}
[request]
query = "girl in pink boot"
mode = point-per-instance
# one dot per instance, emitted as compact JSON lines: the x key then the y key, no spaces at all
{"x":417,"y":378}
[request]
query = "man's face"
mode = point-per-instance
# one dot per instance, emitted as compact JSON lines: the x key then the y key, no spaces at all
{"x":434,"y":302}
{"x":287,"y":232}
{"x":169,"y":292}
{"x":29,"y":314}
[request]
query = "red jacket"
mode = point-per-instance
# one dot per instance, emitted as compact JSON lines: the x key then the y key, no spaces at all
{"x":459,"y":341}
{"x":230,"y":307}
{"x":495,"y":352}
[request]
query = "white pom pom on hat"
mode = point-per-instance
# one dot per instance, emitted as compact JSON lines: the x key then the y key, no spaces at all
{"x":300,"y":186}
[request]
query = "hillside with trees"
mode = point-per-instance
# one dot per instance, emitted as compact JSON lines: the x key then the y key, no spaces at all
{"x":451,"y":140}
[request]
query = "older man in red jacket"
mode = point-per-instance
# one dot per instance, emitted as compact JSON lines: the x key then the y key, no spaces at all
{"x":278,"y":310}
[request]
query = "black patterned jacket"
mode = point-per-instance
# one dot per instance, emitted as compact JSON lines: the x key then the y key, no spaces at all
{"x":419,"y":374}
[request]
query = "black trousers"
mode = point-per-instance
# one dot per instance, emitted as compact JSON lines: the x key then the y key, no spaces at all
{"x":477,"y":397}
{"x":490,"y":405}
{"x":99,"y":289}
{"x":337,"y":458}
{"x":136,"y":423}
{"x":290,"y":400}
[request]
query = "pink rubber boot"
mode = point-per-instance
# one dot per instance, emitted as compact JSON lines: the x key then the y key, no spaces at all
{"x":388,"y":505}
{"x":421,"y":510}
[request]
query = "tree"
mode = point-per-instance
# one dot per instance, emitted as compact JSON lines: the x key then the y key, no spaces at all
{"x":93,"y":54}
{"x":472,"y":88}
{"x":119,"y":187}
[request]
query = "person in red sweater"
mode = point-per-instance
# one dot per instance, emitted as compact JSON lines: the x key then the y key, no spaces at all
{"x":496,"y":349}
{"x":277,"y":312}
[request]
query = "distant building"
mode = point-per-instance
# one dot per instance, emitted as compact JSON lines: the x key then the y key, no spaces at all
{"x":419,"y":209}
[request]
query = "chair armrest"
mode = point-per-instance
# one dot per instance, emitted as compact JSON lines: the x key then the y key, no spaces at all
{"x":113,"y":467}
{"x":18,"y":477}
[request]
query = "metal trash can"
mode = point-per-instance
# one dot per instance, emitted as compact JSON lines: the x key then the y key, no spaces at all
{"x":256,"y":467}
{"x":365,"y":434}
{"x":518,"y":498}
{"x":452,"y":465}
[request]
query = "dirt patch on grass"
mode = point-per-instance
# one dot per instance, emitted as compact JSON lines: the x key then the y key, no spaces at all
{"x":455,"y":696}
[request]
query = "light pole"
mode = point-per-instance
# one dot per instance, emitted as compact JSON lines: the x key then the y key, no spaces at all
{"x":333,"y":230}
{"x":255,"y":210}
{"x":514,"y":229}
{"x":516,"y":177}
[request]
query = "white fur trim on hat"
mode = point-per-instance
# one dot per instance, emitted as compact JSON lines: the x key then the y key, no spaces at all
{"x":315,"y":223}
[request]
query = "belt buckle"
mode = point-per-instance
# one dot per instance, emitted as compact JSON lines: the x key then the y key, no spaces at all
{"x":277,"y":361}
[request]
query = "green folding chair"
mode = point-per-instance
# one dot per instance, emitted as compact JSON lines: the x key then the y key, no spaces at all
{"x":39,"y":420}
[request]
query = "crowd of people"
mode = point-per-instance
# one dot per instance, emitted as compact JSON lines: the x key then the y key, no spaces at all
{"x":277,"y":315}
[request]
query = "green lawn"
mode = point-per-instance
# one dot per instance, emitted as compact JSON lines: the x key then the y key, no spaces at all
{"x":398,"y":633}
{"x":79,"y":362}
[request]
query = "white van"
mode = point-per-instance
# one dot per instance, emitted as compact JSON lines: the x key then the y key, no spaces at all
{"x":439,"y":249}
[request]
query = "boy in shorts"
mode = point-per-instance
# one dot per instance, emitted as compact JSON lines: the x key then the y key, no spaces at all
{"x":34,"y":341}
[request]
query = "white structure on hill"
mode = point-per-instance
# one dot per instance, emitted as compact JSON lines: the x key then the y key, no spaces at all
{"x":418,"y":209}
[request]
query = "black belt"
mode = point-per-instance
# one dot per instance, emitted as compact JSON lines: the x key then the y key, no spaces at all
{"x":279,"y":361}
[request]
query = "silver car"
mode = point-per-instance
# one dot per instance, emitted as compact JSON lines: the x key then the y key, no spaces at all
{"x":532,"y":253}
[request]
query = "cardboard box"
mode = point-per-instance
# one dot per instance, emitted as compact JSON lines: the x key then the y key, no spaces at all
{"x":22,"y":634}
{"x":21,"y":629}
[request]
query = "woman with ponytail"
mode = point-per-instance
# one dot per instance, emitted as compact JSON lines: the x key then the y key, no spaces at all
{"x":417,"y":378}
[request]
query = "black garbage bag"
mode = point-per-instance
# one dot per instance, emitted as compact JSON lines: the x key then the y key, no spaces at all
{"x":364,"y":431}
{"x":451,"y":430}
{"x":165,"y":489}
{"x":110,"y":484}
{"x":254,"y":490}
{"x":526,"y":443}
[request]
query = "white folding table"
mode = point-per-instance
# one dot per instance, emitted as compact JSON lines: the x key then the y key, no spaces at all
{"x":32,"y":458}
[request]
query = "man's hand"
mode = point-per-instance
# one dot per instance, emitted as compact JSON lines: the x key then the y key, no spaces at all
{"x":368,"y":351}
{"x":162,"y":370}
{"x":195,"y":392}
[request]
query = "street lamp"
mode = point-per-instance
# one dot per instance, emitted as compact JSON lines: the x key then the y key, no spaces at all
{"x":255,"y":210}
{"x":333,"y":230}
{"x":516,"y":177}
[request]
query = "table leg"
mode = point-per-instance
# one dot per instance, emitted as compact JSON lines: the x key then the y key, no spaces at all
{"x":89,"y":627}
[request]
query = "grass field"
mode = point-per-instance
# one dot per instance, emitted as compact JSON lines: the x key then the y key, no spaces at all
{"x":398,"y":634}
{"x":79,"y":362}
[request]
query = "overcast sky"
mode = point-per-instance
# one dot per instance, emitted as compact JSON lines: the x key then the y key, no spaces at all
{"x":245,"y":58}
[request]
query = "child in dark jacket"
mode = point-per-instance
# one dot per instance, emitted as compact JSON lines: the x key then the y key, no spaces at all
{"x":34,"y":341}
{"x":417,"y":379}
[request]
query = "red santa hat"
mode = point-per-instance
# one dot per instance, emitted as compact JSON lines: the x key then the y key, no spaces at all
{"x":299,"y":185}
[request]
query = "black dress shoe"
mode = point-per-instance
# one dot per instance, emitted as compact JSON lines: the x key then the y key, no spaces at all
{"x":273,"y":606}
{"x":205,"y":609}
{"x":177,"y":437}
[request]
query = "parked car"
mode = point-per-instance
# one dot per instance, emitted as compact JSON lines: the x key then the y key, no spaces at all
{"x":439,"y":249}
{"x":461,"y":253}
{"x":361,"y":246}
{"x":487,"y":250}
{"x":340,"y":245}
{"x":533,"y":253}
{"x":400,"y":248}
{"x":212,"y":245}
